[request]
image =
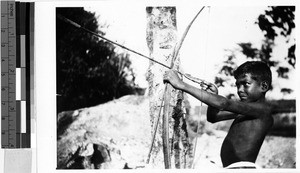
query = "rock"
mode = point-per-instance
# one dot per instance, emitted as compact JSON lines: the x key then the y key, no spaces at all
{"x":113,"y":135}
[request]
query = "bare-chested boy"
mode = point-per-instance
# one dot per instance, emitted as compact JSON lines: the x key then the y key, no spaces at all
{"x":252,"y":114}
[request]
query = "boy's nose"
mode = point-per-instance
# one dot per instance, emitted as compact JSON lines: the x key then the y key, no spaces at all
{"x":240,"y":89}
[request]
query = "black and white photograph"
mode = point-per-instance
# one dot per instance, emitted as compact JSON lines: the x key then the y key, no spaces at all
{"x":175,"y":86}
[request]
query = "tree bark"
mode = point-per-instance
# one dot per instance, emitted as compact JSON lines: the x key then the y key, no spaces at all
{"x":161,"y":40}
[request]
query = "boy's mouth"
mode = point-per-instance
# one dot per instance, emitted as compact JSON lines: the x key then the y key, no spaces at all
{"x":243,"y":96}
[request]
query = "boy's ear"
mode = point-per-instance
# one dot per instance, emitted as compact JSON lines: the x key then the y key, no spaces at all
{"x":264,"y":86}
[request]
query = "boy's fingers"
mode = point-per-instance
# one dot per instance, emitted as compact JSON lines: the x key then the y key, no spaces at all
{"x":206,"y":84}
{"x":197,"y":80}
{"x":205,"y":87}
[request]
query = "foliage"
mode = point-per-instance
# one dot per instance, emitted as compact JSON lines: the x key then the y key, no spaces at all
{"x":89,"y":71}
{"x":276,"y":21}
{"x":279,"y":18}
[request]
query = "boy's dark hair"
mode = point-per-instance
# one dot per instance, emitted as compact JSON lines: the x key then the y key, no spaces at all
{"x":259,"y":71}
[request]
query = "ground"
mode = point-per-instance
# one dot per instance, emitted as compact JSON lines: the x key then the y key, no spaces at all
{"x":122,"y":127}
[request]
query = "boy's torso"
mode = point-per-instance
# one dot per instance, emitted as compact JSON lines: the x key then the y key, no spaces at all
{"x":244,"y":139}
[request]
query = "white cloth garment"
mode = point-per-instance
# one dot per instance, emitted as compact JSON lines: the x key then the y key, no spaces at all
{"x":243,"y":165}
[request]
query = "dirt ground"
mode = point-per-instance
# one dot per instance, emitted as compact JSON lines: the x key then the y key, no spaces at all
{"x":276,"y":152}
{"x":124,"y":126}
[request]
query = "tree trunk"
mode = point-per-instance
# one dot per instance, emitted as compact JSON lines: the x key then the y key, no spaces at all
{"x":161,"y":40}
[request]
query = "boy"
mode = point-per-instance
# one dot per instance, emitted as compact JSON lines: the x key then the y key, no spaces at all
{"x":252,"y":114}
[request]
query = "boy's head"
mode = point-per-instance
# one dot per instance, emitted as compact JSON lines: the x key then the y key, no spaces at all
{"x":258,"y":71}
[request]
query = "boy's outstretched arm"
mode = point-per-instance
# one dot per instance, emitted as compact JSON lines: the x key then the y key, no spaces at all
{"x":213,"y":114}
{"x":219,"y":103}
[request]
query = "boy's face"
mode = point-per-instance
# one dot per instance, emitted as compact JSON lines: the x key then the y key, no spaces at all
{"x":248,"y":89}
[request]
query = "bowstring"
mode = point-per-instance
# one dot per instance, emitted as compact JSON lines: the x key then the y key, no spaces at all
{"x":202,"y":87}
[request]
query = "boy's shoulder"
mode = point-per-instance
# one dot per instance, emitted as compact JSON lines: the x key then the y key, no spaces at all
{"x":258,"y":109}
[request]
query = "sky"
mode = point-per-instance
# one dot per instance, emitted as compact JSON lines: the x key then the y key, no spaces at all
{"x":217,"y":28}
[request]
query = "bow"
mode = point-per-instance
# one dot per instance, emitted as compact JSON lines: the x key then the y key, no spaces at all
{"x":167,"y":98}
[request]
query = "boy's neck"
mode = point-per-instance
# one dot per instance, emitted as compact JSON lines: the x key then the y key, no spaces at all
{"x":261,"y":99}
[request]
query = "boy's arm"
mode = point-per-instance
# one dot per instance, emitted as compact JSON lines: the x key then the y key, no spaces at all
{"x":214,"y":115}
{"x":218,"y":102}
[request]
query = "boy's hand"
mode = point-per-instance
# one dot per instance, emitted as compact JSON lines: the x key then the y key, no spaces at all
{"x":211,"y":88}
{"x":172,"y":77}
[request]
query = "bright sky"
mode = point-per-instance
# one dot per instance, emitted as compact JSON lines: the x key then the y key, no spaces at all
{"x":217,"y":28}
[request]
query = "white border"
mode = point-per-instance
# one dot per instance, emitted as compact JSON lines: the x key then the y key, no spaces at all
{"x":45,"y":55}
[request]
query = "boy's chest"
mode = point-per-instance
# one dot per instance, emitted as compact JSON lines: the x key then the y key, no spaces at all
{"x":242,"y":118}
{"x":245,"y":125}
